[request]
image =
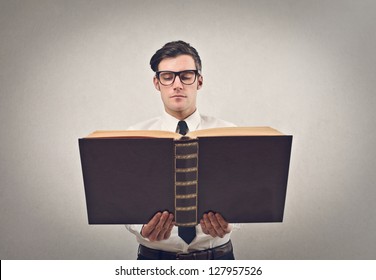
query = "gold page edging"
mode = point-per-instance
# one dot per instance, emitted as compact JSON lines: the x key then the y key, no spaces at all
{"x":185,"y":196}
{"x":186,"y":224}
{"x":187,"y":144}
{"x":189,"y":208}
{"x":186,"y":170}
{"x":189,"y":156}
{"x":187,"y":183}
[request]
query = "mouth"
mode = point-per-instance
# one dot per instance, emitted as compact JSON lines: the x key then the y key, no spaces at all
{"x":178,"y":96}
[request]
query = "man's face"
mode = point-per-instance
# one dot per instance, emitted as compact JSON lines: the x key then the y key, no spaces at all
{"x":178,"y":99}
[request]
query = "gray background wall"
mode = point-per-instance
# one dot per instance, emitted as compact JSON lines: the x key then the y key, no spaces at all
{"x":306,"y":68}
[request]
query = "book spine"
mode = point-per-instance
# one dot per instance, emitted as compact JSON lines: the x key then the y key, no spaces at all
{"x":186,"y":182}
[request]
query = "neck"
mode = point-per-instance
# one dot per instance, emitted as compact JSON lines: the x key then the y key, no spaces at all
{"x":181,"y":115}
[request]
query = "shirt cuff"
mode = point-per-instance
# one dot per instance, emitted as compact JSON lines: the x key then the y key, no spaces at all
{"x":136,"y":230}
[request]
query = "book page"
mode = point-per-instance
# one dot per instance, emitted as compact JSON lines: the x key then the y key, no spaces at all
{"x":211,"y":132}
{"x":133,"y":134}
{"x":235,"y":131}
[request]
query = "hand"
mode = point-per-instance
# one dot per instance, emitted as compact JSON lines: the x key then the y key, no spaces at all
{"x":159,"y":227}
{"x":214,"y":225}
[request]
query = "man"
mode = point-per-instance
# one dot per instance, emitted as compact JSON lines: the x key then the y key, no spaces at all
{"x":178,"y":78}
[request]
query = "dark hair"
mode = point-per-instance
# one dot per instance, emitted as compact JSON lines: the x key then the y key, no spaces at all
{"x":174,"y":49}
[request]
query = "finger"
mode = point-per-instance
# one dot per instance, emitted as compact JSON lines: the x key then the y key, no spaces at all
{"x":216,"y":226}
{"x":203,"y":227}
{"x":168,"y":232}
{"x":209,"y":226}
{"x":222,"y":222}
{"x":159,"y":226}
{"x":166,"y":227}
{"x":148,"y":228}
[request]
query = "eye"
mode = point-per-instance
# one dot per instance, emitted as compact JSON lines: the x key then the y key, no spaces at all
{"x":187,"y":75}
{"x":167,"y":76}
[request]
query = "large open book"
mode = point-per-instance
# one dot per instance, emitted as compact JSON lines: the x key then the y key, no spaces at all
{"x":240,"y":172}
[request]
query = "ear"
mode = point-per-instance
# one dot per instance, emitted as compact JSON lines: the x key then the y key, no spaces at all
{"x":156,"y":83}
{"x":200,"y":82}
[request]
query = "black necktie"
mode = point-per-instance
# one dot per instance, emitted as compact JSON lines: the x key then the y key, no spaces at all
{"x":185,"y":233}
{"x":183,"y":127}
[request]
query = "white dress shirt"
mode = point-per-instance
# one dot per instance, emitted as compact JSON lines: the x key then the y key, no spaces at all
{"x":202,"y":241}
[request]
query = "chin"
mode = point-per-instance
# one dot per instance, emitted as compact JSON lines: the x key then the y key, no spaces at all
{"x":178,"y":108}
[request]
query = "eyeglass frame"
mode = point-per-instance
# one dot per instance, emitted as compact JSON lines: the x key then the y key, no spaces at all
{"x":197,"y":73}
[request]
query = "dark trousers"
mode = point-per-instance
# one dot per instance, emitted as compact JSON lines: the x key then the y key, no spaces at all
{"x":229,"y":256}
{"x":223,"y":252}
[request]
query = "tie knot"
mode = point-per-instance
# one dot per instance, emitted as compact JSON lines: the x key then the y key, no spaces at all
{"x":183,"y":127}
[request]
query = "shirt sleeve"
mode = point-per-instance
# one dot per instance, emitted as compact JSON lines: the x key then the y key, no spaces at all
{"x":235,"y":227}
{"x":136,"y":230}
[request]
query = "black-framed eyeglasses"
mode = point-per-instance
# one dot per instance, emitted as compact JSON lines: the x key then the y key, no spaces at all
{"x":167,"y":78}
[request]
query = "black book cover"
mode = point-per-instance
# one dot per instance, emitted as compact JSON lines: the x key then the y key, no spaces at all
{"x":128,"y":180}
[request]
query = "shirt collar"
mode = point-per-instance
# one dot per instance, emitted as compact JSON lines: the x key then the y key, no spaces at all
{"x":169,"y":123}
{"x":193,"y":121}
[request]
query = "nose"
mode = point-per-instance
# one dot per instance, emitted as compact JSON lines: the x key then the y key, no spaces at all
{"x":177,"y":82}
